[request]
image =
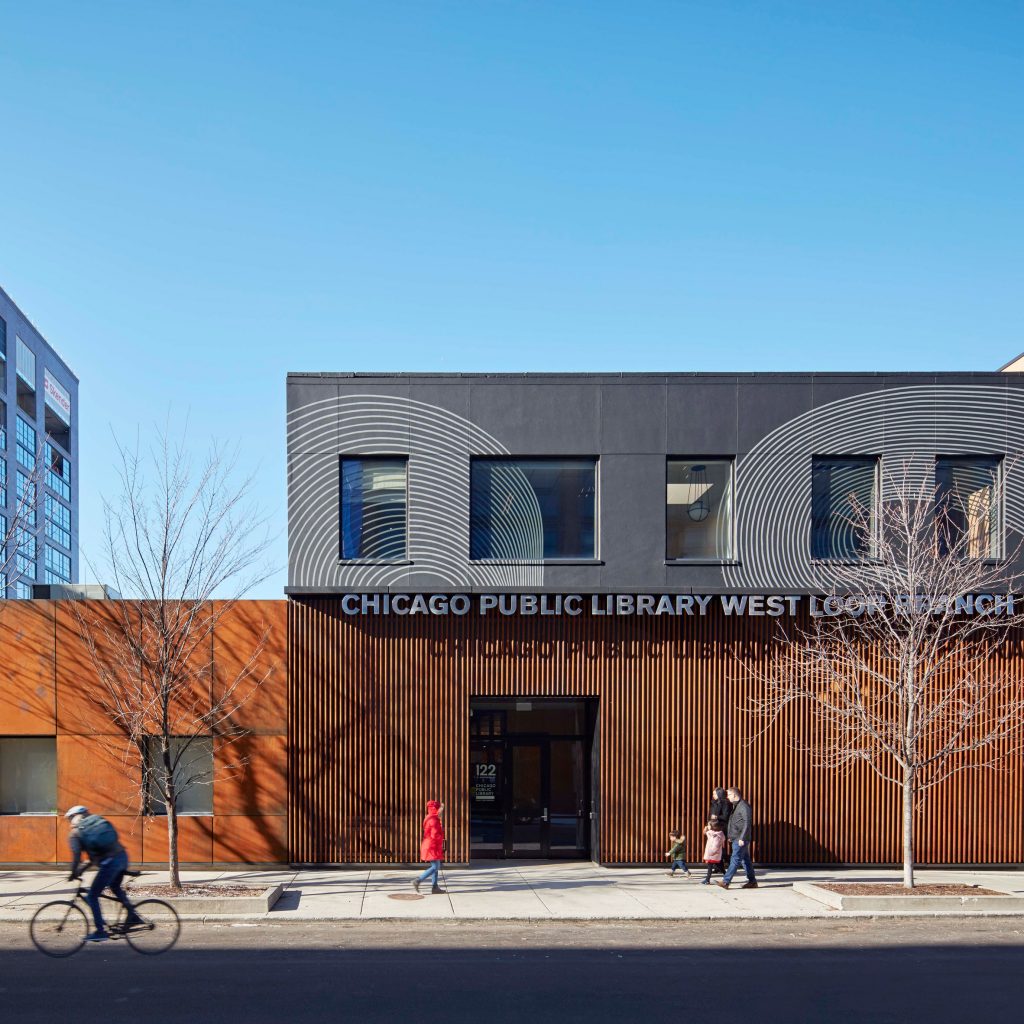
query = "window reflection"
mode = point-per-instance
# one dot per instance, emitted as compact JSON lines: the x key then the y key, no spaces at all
{"x":699,"y":509}
{"x":967,"y":506}
{"x":373,"y":503}
{"x":843,"y":507}
{"x":532,"y":509}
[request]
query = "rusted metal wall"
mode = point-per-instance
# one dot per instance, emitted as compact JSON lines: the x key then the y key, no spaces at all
{"x":379,"y":713}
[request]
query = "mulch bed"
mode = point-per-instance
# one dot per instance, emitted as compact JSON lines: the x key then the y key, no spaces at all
{"x":194,"y":889}
{"x":897,"y":889}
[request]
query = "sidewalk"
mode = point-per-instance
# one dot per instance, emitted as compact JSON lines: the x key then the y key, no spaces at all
{"x":529,"y":891}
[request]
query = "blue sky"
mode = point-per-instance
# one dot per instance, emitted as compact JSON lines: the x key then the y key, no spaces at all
{"x":196,"y":197}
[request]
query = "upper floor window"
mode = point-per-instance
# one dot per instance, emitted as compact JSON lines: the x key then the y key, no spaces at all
{"x":843,"y":507}
{"x":3,"y":420}
{"x":58,"y":472}
{"x":25,"y":491}
{"x":57,"y":566}
{"x":699,"y":509}
{"x":25,"y":438}
{"x":533,"y":509}
{"x":373,"y":508}
{"x":58,"y":521}
{"x":3,"y":340}
{"x":25,"y":366}
{"x":968,"y":506}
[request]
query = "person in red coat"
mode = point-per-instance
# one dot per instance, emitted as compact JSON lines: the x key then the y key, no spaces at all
{"x":432,"y":846}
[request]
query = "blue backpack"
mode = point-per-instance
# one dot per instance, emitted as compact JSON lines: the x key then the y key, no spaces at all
{"x":97,"y":835}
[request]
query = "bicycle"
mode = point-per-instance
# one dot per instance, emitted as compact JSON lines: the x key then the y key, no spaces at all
{"x":59,"y":928}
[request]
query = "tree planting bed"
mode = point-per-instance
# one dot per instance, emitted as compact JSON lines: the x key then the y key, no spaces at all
{"x":206,"y":898}
{"x":892,"y":897}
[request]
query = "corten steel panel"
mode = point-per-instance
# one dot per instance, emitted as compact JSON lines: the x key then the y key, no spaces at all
{"x":102,"y":772}
{"x":27,"y":839}
{"x":379,"y":724}
{"x":238,"y":839}
{"x":195,"y":839}
{"x":27,"y":700}
{"x":250,"y":662}
{"x":90,"y":646}
{"x":251,"y":775}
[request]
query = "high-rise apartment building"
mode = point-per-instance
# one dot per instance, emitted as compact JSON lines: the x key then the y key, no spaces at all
{"x":38,"y":457}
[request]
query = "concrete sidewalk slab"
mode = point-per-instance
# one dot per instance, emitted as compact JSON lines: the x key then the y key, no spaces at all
{"x":528,"y":891}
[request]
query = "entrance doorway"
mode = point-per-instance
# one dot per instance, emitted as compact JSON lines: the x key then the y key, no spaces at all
{"x":532,"y":775}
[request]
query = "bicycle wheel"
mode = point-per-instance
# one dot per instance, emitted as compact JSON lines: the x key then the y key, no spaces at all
{"x":159,"y":930}
{"x":59,"y":928}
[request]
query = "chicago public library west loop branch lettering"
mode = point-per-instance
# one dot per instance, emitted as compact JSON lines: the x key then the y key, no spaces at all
{"x":770,"y":605}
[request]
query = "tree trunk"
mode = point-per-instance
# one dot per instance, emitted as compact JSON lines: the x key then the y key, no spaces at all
{"x":172,"y":847}
{"x":908,"y":830}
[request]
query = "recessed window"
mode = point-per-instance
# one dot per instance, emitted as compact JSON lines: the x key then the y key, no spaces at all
{"x":25,"y":365}
{"x":28,"y":774}
{"x":57,"y":566}
{"x":25,"y":436}
{"x":843,"y":507}
{"x":373,"y":508}
{"x":699,"y":509}
{"x":58,"y":472}
{"x":26,"y":500}
{"x":192,"y":768}
{"x":58,"y":521}
{"x":968,"y":506}
{"x":533,"y":509}
{"x":3,"y":415}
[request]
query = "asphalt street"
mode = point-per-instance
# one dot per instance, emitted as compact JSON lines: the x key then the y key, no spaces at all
{"x":870,"y":971}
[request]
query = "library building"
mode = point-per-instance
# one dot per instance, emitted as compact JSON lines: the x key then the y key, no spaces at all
{"x":543,"y":600}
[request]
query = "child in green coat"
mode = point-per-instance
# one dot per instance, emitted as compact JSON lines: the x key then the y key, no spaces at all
{"x":677,"y":853}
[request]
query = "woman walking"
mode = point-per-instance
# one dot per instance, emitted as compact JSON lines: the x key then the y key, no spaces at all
{"x":432,"y":846}
{"x":719,"y":811}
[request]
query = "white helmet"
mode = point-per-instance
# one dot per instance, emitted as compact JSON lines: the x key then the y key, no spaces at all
{"x":74,"y":812}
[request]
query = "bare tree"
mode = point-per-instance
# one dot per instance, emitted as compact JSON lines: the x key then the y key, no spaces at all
{"x":182,"y":543}
{"x":902,"y":667}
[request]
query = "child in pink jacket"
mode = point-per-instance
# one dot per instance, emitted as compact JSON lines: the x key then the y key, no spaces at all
{"x":714,"y":844}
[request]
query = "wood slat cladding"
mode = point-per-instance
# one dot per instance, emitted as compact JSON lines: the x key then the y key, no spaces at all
{"x":379,"y":716}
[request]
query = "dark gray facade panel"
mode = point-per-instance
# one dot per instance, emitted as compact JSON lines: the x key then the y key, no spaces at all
{"x":770,"y":424}
{"x":559,"y":419}
{"x":634,"y":418}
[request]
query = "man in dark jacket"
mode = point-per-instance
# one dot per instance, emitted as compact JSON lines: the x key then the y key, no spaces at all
{"x":740,"y":829}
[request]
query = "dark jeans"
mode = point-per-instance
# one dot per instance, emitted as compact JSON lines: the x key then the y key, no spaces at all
{"x":680,"y":864}
{"x":740,"y":855}
{"x":109,"y":874}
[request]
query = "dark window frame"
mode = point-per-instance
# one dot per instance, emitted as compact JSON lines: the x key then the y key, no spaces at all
{"x":732,"y":558}
{"x":877,"y":491}
{"x":375,"y":457}
{"x":594,"y":559}
{"x":999,"y":458}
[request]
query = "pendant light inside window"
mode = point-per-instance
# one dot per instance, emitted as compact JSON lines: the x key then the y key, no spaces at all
{"x":700,"y":507}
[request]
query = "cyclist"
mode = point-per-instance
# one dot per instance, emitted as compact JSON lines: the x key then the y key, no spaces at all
{"x":97,"y":838}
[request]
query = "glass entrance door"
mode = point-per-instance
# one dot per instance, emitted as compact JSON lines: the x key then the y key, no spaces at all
{"x":531,"y":778}
{"x":528,"y":806}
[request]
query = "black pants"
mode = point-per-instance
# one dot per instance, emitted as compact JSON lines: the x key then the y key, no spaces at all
{"x":715,"y":866}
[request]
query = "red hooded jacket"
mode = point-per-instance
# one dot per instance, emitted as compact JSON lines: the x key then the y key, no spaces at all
{"x":432,"y":847}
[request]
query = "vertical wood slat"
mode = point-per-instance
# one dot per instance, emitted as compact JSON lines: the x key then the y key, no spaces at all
{"x":379,"y":723}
